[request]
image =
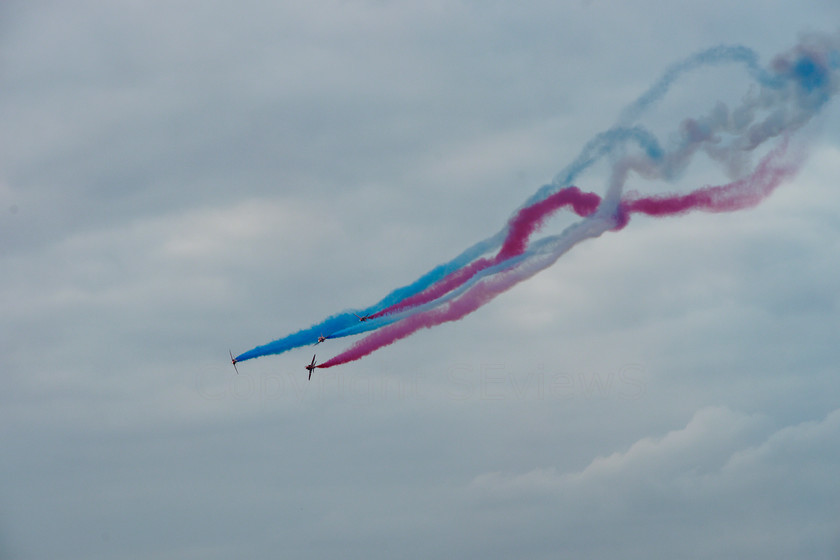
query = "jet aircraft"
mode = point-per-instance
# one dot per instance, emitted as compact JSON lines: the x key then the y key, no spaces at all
{"x":311,"y":366}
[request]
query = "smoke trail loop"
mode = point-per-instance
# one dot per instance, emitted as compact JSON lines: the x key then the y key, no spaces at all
{"x":787,"y":95}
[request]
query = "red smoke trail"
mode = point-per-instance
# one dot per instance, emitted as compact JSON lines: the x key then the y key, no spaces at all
{"x":450,"y":311}
{"x":520,"y":228}
{"x":737,"y":195}
{"x":740,"y":194}
{"x":531,"y":218}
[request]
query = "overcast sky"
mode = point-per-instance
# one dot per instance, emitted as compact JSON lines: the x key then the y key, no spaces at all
{"x":183,"y":177}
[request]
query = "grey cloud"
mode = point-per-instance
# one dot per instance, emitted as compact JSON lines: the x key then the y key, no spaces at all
{"x":180,"y":179}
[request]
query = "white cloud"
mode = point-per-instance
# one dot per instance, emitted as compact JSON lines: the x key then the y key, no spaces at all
{"x":704,"y":445}
{"x":764,"y":491}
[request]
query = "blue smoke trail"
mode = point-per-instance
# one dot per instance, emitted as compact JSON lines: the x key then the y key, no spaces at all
{"x":373,"y":324}
{"x":336,"y":324}
{"x":721,"y":54}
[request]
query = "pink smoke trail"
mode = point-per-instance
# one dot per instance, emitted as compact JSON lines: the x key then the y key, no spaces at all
{"x":743,"y":193}
{"x":740,"y":194}
{"x":450,"y":311}
{"x":520,"y":228}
